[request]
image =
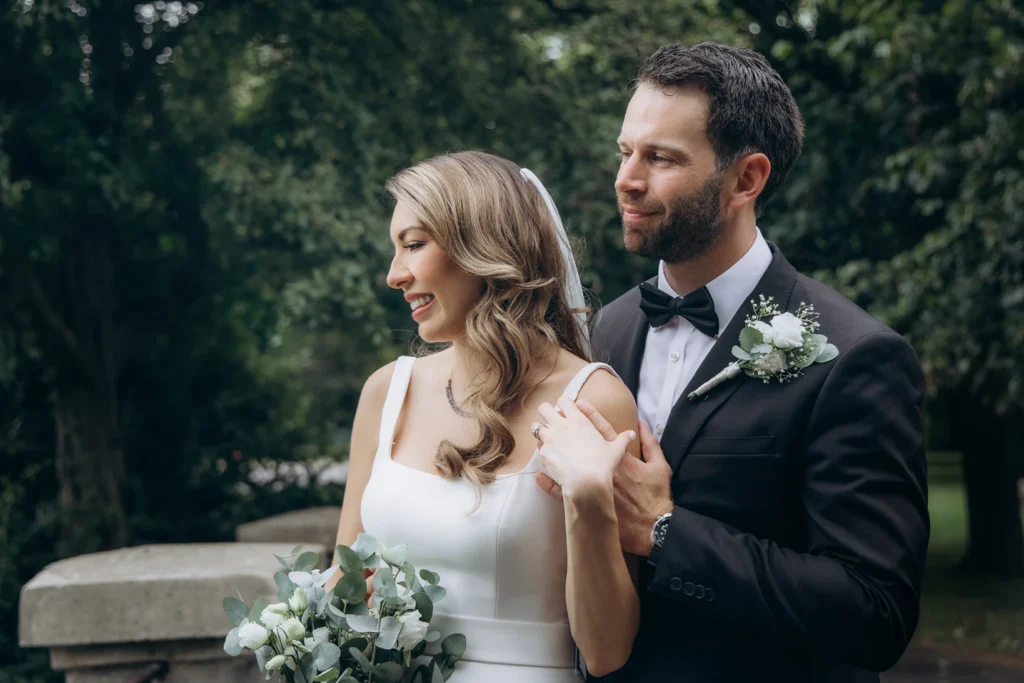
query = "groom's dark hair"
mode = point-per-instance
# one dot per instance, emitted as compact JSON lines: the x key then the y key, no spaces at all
{"x":751,"y":110}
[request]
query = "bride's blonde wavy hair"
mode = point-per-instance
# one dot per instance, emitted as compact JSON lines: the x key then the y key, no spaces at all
{"x":493,"y":224}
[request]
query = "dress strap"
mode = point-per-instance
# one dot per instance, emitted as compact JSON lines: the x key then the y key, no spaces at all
{"x":573,"y":390}
{"x":395,"y":399}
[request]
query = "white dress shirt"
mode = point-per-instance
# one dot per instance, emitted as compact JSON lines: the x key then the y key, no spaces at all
{"x":674,"y":351}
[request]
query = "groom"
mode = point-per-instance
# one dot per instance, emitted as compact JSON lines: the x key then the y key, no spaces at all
{"x":783,"y":526}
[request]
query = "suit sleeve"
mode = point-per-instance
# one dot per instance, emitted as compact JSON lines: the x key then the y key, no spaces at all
{"x":855,"y":594}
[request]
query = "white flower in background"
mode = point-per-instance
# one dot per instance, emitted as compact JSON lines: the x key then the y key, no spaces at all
{"x":767,"y":333}
{"x":293,"y":629}
{"x":298,"y":601}
{"x":276,"y":662}
{"x":274,"y":615}
{"x":413,"y":630}
{"x":788,"y":331}
{"x":252,"y":636}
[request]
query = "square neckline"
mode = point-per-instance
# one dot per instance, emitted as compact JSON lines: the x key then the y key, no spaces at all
{"x":386,"y":448}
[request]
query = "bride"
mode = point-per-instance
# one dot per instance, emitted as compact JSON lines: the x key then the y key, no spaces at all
{"x":444,"y":449}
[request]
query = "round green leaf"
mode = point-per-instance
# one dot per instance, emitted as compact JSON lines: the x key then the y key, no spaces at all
{"x":454,"y":646}
{"x":328,"y":676}
{"x":348,"y":560}
{"x":236,"y":610}
{"x":395,"y":556}
{"x":435,"y":593}
{"x":364,"y":546}
{"x":828,"y":352}
{"x":384,"y":583}
{"x":231,"y":645}
{"x":390,"y":627}
{"x":351,"y":588}
{"x":326,"y":655}
{"x":306,"y":562}
{"x":390,"y":672}
{"x":425,"y":605}
{"x":740,"y":353}
{"x":749,"y":338}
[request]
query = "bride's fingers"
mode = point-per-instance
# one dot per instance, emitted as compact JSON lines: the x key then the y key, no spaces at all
{"x":597,"y":419}
{"x":548,"y":485}
{"x":550,"y":413}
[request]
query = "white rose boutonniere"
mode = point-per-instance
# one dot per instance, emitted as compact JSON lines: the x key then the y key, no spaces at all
{"x":778,"y":349}
{"x":788,"y":332}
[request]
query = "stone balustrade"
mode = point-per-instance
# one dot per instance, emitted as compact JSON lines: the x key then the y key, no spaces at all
{"x":116,"y":616}
{"x":314,"y":526}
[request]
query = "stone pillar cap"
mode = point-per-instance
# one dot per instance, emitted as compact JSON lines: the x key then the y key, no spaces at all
{"x":146,"y":593}
{"x":312,"y":525}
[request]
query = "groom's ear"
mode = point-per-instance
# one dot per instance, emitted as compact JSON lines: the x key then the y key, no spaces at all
{"x":749,"y":175}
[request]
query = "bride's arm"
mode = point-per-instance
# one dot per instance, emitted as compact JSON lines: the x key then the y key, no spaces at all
{"x":362,"y":449}
{"x":604,"y":607}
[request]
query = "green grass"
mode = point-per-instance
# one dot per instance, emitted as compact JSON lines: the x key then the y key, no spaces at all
{"x":979,"y":612}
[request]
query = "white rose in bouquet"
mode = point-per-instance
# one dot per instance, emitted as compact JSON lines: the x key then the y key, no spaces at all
{"x":329,"y":634}
{"x":274,"y":615}
{"x":413,"y":630}
{"x":253,"y":636}
{"x":293,"y":629}
{"x":298,"y":601}
{"x":787,"y":331}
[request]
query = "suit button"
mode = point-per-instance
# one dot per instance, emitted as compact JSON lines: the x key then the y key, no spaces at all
{"x":688,"y":588}
{"x":709,"y":595}
{"x":700,"y":592}
{"x":675,"y":583}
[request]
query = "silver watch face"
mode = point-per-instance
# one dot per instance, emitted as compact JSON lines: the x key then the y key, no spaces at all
{"x":660,"y":530}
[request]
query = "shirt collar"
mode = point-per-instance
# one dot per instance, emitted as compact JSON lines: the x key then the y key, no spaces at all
{"x":730,"y":289}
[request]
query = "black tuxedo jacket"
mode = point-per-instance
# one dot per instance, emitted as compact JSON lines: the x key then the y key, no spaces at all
{"x":797,"y":542}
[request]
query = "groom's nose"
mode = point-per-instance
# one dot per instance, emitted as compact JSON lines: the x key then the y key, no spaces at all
{"x":632,"y":177}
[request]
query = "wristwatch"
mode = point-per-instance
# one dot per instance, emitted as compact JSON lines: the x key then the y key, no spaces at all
{"x":658,"y":533}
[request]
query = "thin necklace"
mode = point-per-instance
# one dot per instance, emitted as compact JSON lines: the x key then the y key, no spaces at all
{"x":451,"y":399}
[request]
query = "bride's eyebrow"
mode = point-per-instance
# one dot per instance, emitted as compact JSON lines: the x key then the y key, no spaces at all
{"x":404,"y":231}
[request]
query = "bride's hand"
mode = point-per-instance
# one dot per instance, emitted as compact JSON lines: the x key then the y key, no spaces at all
{"x":575,"y":454}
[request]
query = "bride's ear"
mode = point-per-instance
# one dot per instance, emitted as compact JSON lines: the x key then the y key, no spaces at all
{"x":750,"y":173}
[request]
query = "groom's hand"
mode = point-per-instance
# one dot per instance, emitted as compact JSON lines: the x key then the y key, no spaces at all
{"x":642,"y":487}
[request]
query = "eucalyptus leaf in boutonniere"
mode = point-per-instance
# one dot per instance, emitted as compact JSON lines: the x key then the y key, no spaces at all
{"x":774,"y":345}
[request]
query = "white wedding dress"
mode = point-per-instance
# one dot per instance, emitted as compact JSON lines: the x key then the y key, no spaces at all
{"x":503,"y":565}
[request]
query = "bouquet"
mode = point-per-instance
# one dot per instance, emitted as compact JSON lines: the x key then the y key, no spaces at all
{"x":313,"y":635}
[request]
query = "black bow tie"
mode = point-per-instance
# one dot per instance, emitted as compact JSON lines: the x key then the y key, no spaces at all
{"x":697,"y":307}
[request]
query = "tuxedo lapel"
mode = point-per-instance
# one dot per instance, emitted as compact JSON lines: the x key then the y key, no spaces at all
{"x":687,"y":417}
{"x":635,"y":331}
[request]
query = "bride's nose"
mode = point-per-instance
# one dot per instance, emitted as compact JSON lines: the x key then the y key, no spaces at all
{"x":398,"y":275}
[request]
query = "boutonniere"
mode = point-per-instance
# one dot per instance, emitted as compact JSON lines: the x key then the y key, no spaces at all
{"x":778,"y":349}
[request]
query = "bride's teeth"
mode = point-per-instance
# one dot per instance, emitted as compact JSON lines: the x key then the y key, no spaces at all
{"x":422,"y":301}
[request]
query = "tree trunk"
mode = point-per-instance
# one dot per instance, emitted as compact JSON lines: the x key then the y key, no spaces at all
{"x":90,"y":473}
{"x":995,"y":542}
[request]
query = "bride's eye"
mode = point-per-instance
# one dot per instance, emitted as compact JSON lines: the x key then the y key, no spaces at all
{"x":413,"y":246}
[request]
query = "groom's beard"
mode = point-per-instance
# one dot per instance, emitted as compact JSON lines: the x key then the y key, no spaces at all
{"x":692,"y":224}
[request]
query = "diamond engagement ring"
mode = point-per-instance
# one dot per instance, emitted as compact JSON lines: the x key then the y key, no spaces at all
{"x":536,"y":430}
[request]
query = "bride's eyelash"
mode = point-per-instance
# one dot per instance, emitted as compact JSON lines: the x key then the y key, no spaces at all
{"x":413,"y":246}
